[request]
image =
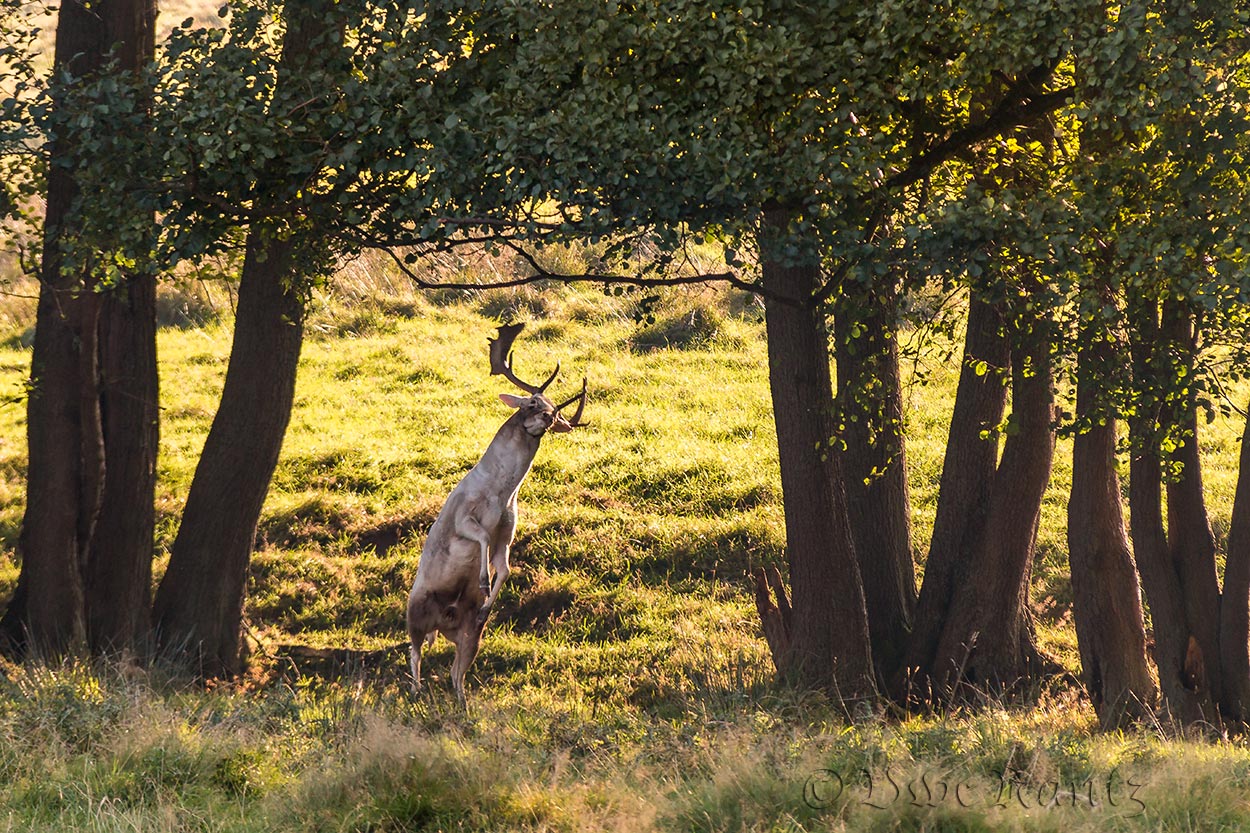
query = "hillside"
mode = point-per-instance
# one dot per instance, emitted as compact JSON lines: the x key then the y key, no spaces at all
{"x":623,"y":683}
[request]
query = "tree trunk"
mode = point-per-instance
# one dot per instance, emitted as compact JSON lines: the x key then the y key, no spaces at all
{"x":967,"y":474}
{"x":1177,"y":653}
{"x":1235,"y":601}
{"x":870,"y":404}
{"x":119,"y":570}
{"x":199,"y":605}
{"x":829,"y":644}
{"x":1192,"y":547}
{"x":45,"y":615}
{"x":1180,"y":682}
{"x":987,"y":641}
{"x":1106,"y":598}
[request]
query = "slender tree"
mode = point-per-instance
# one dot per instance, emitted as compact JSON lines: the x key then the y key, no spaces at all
{"x":828,"y":634}
{"x":1106,"y":596}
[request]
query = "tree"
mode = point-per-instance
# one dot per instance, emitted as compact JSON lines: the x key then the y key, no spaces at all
{"x":199,"y":605}
{"x":874,"y":462}
{"x":1167,"y":201}
{"x":86,"y":539}
{"x":828,"y":636}
{"x":974,"y":631}
{"x":1106,"y":595}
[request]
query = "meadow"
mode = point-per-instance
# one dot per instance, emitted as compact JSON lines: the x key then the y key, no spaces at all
{"x":623,"y":683}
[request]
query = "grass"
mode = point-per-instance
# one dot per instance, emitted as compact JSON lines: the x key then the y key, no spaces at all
{"x":623,"y":684}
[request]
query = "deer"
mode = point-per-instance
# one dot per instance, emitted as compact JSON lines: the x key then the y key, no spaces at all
{"x":453,"y":591}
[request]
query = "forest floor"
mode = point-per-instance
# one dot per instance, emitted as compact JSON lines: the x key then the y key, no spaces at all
{"x":623,"y":683}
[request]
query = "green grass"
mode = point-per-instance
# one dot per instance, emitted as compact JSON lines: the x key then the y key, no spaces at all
{"x":623,"y":684}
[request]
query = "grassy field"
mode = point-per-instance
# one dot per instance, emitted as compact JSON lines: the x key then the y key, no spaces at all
{"x":622,"y":685}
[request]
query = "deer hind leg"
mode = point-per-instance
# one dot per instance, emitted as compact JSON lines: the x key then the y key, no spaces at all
{"x":414,"y":663}
{"x":422,"y":618}
{"x":427,"y":615}
{"x":467,"y":638}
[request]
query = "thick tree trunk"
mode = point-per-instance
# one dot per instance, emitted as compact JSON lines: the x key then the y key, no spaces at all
{"x":46,"y":614}
{"x":1190,"y":540}
{"x":1180,"y":681}
{"x":828,"y":640}
{"x":1235,"y":601}
{"x":1106,"y":598}
{"x":199,"y":605}
{"x":1177,"y":653}
{"x":119,"y":569}
{"x":1192,"y":547}
{"x":870,"y":404}
{"x":987,"y":641}
{"x":967,"y":476}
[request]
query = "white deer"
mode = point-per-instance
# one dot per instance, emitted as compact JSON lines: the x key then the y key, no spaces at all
{"x":452,"y":593}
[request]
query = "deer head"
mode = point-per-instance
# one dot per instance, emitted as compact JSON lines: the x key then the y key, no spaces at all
{"x":538,"y":413}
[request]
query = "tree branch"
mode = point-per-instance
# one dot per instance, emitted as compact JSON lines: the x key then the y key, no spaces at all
{"x":1011,"y":112}
{"x":541,"y":274}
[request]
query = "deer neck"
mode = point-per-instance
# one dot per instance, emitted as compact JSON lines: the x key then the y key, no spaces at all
{"x":510,"y":454}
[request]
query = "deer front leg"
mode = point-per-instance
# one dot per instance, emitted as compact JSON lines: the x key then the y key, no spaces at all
{"x":470,"y":529}
{"x":499,"y":558}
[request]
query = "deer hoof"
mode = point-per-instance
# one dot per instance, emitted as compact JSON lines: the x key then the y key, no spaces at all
{"x":482,"y":615}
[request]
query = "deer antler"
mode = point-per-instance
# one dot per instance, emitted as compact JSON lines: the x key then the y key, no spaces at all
{"x":501,"y":359}
{"x":580,"y":399}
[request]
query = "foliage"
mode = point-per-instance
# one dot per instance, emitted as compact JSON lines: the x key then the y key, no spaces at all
{"x":1164,"y":203}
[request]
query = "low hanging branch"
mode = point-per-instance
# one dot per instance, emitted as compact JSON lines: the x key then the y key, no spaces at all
{"x":542,"y":274}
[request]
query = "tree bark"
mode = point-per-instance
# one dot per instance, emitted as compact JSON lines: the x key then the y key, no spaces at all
{"x":1177,"y":652}
{"x":199,"y":605}
{"x":1180,"y":682}
{"x":967,"y":474}
{"x":870,"y":405}
{"x":987,"y":640}
{"x":1235,"y":600}
{"x":119,"y":569}
{"x":1106,"y":598}
{"x":1190,"y":540}
{"x":829,"y":644}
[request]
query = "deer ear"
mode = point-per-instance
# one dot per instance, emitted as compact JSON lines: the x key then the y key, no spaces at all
{"x":560,"y":426}
{"x":513,"y":401}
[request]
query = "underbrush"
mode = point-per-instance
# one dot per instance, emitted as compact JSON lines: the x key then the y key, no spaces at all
{"x":104,"y":749}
